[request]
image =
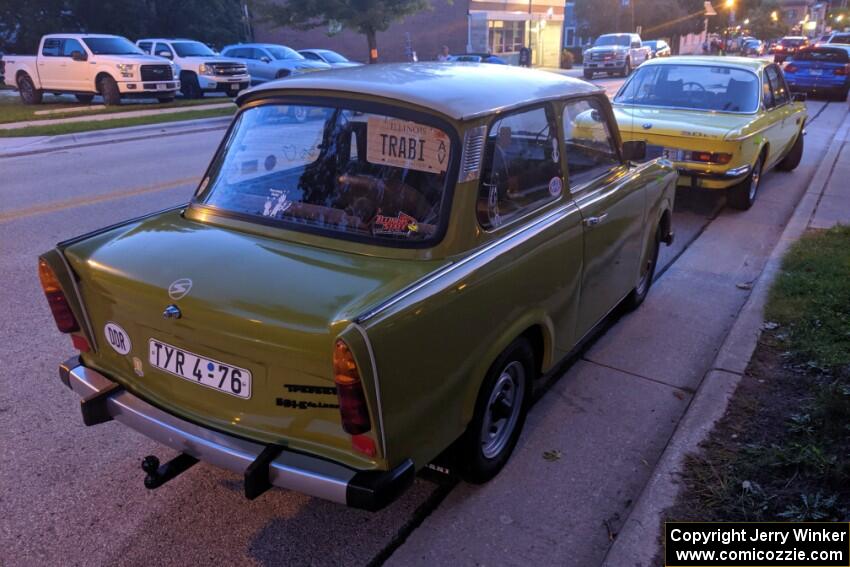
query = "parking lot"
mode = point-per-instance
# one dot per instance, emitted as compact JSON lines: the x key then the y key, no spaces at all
{"x":608,"y":432}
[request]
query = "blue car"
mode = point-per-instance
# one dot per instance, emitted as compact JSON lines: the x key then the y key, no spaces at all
{"x":820,"y":70}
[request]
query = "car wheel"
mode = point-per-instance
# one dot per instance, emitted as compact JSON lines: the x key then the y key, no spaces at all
{"x":165,"y":99}
{"x":189,"y":86}
{"x":627,"y":70}
{"x":841,"y":94}
{"x":588,"y":75}
{"x":743,"y":195}
{"x":792,"y":159}
{"x":84,"y":98}
{"x":26,"y":88}
{"x":500,"y":412}
{"x":109,"y":91}
{"x":647,"y":272}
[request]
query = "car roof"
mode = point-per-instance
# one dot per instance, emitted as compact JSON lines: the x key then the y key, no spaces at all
{"x":168,"y":39}
{"x":263,"y":45}
{"x":720,"y":61}
{"x":457,"y":90}
{"x":80,"y":35}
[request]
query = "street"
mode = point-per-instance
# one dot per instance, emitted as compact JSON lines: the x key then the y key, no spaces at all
{"x":86,"y":483}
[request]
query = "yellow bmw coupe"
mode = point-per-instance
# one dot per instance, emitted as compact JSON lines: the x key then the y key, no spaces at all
{"x":723,"y":121}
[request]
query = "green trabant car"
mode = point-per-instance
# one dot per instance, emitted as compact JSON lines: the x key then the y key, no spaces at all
{"x":377,"y":265}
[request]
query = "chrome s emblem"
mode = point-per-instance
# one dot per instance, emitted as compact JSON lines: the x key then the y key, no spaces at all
{"x":179,"y":289}
{"x":647,"y":126}
{"x":172,"y":312}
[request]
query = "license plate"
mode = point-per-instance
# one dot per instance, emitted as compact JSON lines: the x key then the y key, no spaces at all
{"x":200,"y":370}
{"x":672,"y":154}
{"x":161,"y":87}
{"x":234,"y":87}
{"x":815,"y":72}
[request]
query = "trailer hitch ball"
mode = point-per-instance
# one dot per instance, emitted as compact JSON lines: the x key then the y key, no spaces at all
{"x":156,"y":474}
{"x":150,"y":464}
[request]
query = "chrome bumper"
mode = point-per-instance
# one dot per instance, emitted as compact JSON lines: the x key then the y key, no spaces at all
{"x":371,"y":490}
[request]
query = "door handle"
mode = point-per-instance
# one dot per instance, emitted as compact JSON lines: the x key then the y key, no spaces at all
{"x":593,"y":221}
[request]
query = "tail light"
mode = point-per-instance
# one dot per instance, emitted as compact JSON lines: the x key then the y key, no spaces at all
{"x":790,"y":68}
{"x":708,"y":157}
{"x":62,"y":313}
{"x":843,"y":71}
{"x":349,"y":391}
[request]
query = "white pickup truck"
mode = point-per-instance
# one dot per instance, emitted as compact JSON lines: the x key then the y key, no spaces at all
{"x":86,"y":65}
{"x":615,"y":53}
{"x":201,"y":69}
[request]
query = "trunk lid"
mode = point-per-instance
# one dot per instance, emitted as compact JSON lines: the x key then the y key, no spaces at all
{"x":269,"y":306}
{"x":662,"y":124}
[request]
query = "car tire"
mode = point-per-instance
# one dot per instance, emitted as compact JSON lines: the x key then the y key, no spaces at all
{"x":108,"y":89}
{"x":26,"y":88}
{"x":165,"y":99}
{"x":588,"y":75}
{"x":189,"y":86}
{"x":841,"y":94}
{"x":793,"y":158}
{"x":499,"y":415}
{"x":84,"y":98}
{"x":641,"y":290}
{"x":743,"y":195}
{"x":627,"y":69}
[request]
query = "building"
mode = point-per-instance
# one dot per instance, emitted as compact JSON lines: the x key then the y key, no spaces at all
{"x":805,"y":17}
{"x":500,"y":27}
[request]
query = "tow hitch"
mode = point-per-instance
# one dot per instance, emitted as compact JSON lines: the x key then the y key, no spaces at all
{"x":157,"y":474}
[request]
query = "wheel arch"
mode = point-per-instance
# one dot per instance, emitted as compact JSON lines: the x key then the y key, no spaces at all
{"x":99,"y":77}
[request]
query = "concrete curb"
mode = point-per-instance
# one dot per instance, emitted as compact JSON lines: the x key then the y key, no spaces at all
{"x":114,"y":135}
{"x":637,"y":542}
{"x":106,"y":117}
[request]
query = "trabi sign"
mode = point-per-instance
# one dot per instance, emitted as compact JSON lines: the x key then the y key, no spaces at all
{"x":401,"y":143}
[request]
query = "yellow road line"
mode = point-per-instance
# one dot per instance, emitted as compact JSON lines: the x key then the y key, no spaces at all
{"x":84,"y":201}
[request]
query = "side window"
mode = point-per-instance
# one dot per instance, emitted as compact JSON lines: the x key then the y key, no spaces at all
{"x":311,"y":55}
{"x":52,"y":47}
{"x":767,"y":93}
{"x":522,"y":169}
{"x":161,"y":47}
{"x":145,"y":46}
{"x":71,"y":45}
{"x":258,"y":54}
{"x":589,"y":145}
{"x":777,"y":85}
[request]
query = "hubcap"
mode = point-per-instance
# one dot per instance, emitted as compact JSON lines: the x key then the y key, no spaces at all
{"x":646,"y":274}
{"x":754,"y":181}
{"x":503,"y":409}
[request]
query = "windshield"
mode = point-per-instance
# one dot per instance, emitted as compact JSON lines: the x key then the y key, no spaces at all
{"x":111,"y":46}
{"x":840,"y":38}
{"x":694,"y":87}
{"x":792,"y":42}
{"x":822,"y":54}
{"x":192,"y":49}
{"x":335,"y":170}
{"x":283,"y":53}
{"x":333,"y":57}
{"x":615,"y":39}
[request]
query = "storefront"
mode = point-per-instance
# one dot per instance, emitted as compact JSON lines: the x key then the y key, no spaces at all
{"x":505,"y":32}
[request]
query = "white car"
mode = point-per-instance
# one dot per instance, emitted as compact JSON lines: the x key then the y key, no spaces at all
{"x":86,"y":65}
{"x":332,"y":58}
{"x":201,"y":70}
{"x":268,"y":61}
{"x":615,"y":53}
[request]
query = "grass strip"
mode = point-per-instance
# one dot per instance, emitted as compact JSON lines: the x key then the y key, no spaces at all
{"x":782,"y":451}
{"x":77,"y":127}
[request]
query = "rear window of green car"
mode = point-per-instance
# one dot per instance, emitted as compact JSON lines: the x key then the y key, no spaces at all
{"x":335,"y":170}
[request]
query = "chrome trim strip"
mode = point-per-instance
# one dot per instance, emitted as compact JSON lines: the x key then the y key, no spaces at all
{"x":377,"y":383}
{"x":86,"y":319}
{"x":295,"y":471}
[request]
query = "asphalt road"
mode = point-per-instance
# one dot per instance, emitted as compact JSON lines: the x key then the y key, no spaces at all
{"x":73,"y":495}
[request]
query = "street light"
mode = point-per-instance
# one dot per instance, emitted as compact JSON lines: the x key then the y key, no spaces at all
{"x":774,"y":15}
{"x":730,"y":5}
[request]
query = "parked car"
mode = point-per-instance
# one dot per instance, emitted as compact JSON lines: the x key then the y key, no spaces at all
{"x":723,"y":121}
{"x":408,"y":267}
{"x":268,"y":61}
{"x":477,"y":58}
{"x":788,"y":46}
{"x":86,"y":65}
{"x":615,"y":53}
{"x":820,"y":70}
{"x":201,"y":69}
{"x":837,"y":37}
{"x":753,"y":47}
{"x":332,"y":58}
{"x":659,"y":48}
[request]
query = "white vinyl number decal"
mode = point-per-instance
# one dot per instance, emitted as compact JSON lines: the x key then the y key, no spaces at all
{"x":117,"y":338}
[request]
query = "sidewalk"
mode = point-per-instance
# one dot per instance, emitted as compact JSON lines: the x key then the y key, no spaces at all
{"x":642,"y":395}
{"x":113,"y":116}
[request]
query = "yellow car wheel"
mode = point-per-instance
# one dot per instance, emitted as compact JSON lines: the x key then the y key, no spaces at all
{"x":743,"y":195}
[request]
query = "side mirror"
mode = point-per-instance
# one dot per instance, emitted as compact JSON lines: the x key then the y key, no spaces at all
{"x":634,"y":151}
{"x":265,"y":59}
{"x":166,"y":54}
{"x":798,"y":97}
{"x":78,"y":56}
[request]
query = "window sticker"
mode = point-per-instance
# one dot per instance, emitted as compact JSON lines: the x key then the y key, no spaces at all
{"x":402,"y":225}
{"x":277,"y":203}
{"x":556,"y":154}
{"x":556,"y":186}
{"x":408,"y":145}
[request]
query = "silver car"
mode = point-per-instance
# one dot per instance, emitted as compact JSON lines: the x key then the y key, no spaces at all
{"x":269,"y":61}
{"x":332,"y":58}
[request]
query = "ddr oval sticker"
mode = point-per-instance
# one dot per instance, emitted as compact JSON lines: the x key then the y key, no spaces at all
{"x":117,"y":338}
{"x":556,"y":186}
{"x":401,"y":143}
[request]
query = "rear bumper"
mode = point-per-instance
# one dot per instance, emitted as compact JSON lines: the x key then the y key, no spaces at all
{"x":712,"y":180}
{"x":370,"y":490}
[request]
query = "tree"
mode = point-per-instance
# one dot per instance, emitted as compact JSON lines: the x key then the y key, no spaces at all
{"x":368,"y":17}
